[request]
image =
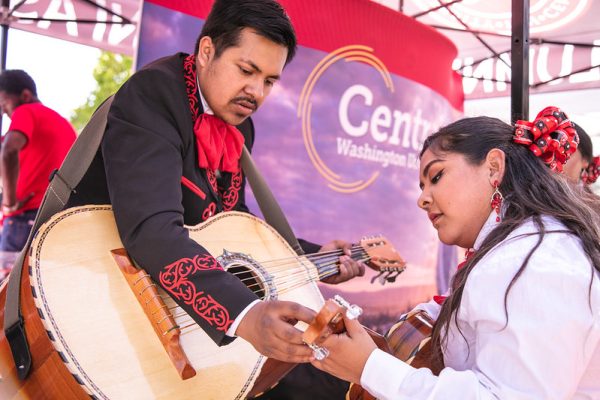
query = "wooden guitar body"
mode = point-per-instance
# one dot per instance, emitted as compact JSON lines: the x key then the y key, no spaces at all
{"x":50,"y":379}
{"x":89,"y":336}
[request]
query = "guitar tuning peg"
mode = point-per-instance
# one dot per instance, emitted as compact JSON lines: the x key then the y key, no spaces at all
{"x":319,"y":352}
{"x":352,"y":310}
{"x":376,"y":277}
{"x":392,"y":277}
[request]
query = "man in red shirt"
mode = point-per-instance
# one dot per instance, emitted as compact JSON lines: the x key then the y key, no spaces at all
{"x":36,"y":143}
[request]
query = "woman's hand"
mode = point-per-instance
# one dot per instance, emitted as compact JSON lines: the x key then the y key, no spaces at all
{"x":348,"y":352}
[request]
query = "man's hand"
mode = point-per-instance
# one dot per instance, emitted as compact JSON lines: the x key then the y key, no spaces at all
{"x":269,"y":327}
{"x":349,"y":268}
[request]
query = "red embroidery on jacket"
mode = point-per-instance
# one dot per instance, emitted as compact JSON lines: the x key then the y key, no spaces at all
{"x":175,"y":279}
{"x":213,"y":312}
{"x":230,"y":196}
{"x":212,"y":179}
{"x":209,"y":211}
{"x":189,"y":75}
{"x":190,"y":185}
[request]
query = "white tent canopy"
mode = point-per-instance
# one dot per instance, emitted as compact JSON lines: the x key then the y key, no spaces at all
{"x":106,"y":24}
{"x":564,"y":54}
{"x":564,"y":45}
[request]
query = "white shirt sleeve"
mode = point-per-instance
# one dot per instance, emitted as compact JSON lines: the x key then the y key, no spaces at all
{"x":386,"y":377}
{"x":236,"y":322}
{"x":541,"y":353}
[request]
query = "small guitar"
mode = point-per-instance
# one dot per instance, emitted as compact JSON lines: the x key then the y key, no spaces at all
{"x":408,"y":340}
{"x":93,"y":333}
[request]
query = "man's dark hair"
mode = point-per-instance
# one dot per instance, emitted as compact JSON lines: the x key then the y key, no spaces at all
{"x":227,"y":18}
{"x":14,"y":81}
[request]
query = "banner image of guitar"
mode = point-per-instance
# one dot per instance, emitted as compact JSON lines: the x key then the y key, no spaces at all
{"x":99,"y":328}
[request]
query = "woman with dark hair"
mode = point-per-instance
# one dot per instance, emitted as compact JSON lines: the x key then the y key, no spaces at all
{"x":589,"y":166}
{"x":591,"y":173}
{"x":522,"y":320}
{"x":576,"y":168}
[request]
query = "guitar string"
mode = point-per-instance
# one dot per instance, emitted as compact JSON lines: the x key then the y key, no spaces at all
{"x":290,"y":282}
{"x":326,"y":270}
{"x":184,"y":329}
{"x":315,"y":258}
{"x":286,"y":286}
{"x":323,"y":271}
{"x":320,"y":261}
{"x":321,"y":254}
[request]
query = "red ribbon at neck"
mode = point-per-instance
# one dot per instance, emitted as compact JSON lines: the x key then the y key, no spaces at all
{"x":468,"y":254}
{"x":219,"y":144}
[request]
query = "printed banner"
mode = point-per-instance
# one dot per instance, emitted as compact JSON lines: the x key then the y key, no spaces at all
{"x":339,"y":137}
{"x":551,"y":69}
{"x":553,"y":66}
{"x":98,"y":24}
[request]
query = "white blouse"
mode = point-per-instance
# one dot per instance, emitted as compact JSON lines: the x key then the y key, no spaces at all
{"x":550,"y":348}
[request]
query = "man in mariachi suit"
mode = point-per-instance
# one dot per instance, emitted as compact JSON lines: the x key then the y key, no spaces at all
{"x":170,"y":156}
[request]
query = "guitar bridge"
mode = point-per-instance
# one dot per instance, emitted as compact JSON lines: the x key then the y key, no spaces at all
{"x":156,"y":311}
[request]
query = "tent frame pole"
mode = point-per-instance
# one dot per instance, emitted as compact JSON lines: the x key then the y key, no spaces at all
{"x":520,"y":61}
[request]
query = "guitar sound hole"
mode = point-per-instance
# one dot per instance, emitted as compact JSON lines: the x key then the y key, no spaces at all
{"x":250,"y":279}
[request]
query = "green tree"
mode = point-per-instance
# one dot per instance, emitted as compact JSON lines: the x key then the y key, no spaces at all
{"x":110,"y":73}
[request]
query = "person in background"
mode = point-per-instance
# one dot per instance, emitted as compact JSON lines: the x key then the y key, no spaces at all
{"x":36,"y":143}
{"x":575,"y":168}
{"x":590,"y":175}
{"x":531,"y":279}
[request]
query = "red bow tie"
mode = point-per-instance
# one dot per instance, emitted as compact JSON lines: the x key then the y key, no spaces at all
{"x":219,"y":144}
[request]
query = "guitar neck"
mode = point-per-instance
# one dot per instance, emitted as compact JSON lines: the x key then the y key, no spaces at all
{"x":328,"y":263}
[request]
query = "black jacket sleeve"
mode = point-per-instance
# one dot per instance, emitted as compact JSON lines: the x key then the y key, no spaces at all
{"x":146,"y":137}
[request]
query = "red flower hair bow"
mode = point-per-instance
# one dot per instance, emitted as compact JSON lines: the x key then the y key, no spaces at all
{"x":592,"y":172}
{"x":551,"y":136}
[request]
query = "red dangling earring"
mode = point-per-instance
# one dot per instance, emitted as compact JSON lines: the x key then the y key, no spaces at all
{"x":496,"y":202}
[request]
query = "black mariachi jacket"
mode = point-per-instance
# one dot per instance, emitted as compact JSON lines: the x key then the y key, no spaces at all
{"x":147,"y":168}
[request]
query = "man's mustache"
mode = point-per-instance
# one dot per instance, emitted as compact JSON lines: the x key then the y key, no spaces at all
{"x":247,"y":100}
